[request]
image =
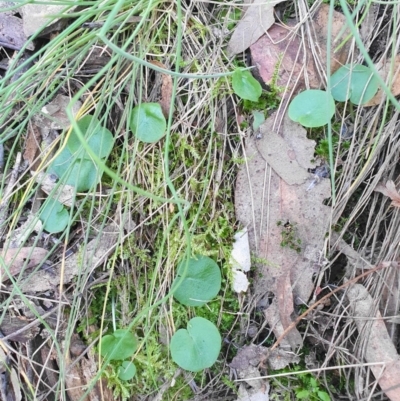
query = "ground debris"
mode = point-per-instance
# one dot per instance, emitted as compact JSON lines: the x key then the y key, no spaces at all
{"x":378,"y":345}
{"x":12,"y":35}
{"x":95,"y":253}
{"x":256,"y":20}
{"x":280,"y":59}
{"x":286,"y":223}
{"x":17,"y":259}
{"x":389,"y":190}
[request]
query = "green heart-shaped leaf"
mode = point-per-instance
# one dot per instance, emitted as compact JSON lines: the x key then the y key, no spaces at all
{"x":71,"y":170}
{"x":99,"y":139}
{"x":197,"y":284}
{"x":54,"y":216}
{"x":120,"y":345}
{"x":246,"y":86}
{"x":196,"y":347}
{"x":355,"y":82}
{"x":127,"y":370}
{"x":312,"y":108}
{"x":147,"y":122}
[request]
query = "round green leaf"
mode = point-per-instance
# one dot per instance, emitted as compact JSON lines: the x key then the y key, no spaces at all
{"x":312,"y":108}
{"x":147,"y":122}
{"x":197,"y":347}
{"x":99,"y":139}
{"x":54,"y":216}
{"x":355,"y":82}
{"x":127,"y":370}
{"x":245,"y":85}
{"x":199,"y":284}
{"x":120,"y":345}
{"x":80,"y":173}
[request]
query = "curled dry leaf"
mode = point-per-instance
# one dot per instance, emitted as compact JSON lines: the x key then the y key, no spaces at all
{"x":389,"y":190}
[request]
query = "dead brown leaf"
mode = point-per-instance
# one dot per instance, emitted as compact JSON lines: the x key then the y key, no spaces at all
{"x":80,"y":375}
{"x":378,"y":344}
{"x":384,"y":68}
{"x":249,"y":355}
{"x":281,"y":53}
{"x":54,"y":116}
{"x":96,"y":252}
{"x":257,"y":19}
{"x":166,"y":90}
{"x":17,"y":259}
{"x":12,"y":35}
{"x":389,"y":190}
{"x":40,"y":17}
{"x":266,"y":199}
{"x":32,"y":146}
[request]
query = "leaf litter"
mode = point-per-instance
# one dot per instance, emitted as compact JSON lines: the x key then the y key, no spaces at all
{"x":266,"y":200}
{"x":277,"y":166}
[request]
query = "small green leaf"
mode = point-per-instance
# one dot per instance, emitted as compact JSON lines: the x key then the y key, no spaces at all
{"x":355,"y":82}
{"x":127,"y":370}
{"x":313,"y":382}
{"x":245,"y":85}
{"x":197,"y":347}
{"x":147,"y":122}
{"x":258,"y":119}
{"x":312,"y":108}
{"x":200,"y":284}
{"x":120,"y":345}
{"x":54,"y":216}
{"x":302,"y":394}
{"x":323,"y":396}
{"x":99,"y":139}
{"x":70,"y":170}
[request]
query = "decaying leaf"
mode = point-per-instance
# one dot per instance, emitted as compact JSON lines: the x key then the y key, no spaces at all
{"x":54,"y":116}
{"x":379,"y":347}
{"x":9,"y":381}
{"x":286,"y":221}
{"x":385,"y":68}
{"x":39,"y":18}
{"x":166,"y":89}
{"x":95,"y":253}
{"x":249,"y":355}
{"x":12,"y":35}
{"x":389,"y":190}
{"x":80,"y":375}
{"x":257,"y":19}
{"x":13,"y":324}
{"x":64,"y":193}
{"x":251,"y":394}
{"x":280,"y":54}
{"x":32,"y":146}
{"x":17,"y":259}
